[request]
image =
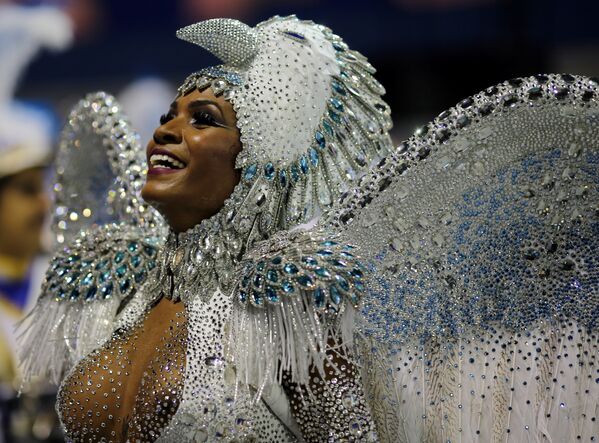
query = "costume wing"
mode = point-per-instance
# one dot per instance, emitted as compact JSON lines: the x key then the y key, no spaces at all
{"x":481,"y":234}
{"x":106,"y":238}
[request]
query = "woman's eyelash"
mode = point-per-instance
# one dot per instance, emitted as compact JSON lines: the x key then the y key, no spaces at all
{"x":164,"y":118}
{"x":203,"y":118}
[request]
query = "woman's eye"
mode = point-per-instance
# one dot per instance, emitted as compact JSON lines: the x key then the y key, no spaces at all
{"x":165,"y":118}
{"x":203,"y":119}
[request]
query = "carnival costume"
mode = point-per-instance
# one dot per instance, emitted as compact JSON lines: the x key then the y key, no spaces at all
{"x":455,"y":275}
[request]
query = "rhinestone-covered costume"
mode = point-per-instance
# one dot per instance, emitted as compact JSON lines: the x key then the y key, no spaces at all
{"x":446,"y":290}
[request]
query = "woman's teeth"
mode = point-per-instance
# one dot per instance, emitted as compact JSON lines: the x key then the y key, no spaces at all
{"x":164,"y":161}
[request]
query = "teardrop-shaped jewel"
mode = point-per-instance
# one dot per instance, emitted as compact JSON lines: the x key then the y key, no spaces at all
{"x":323,"y":272}
{"x":271,"y":294}
{"x":269,"y":171}
{"x":132,"y":246}
{"x":119,"y":257}
{"x":124,"y":286}
{"x":121,"y":271}
{"x":88,"y":279}
{"x":291,"y":269}
{"x":310,"y":261}
{"x":303,"y":162}
{"x":250,"y":172}
{"x":319,"y":297}
{"x":136,"y":261}
{"x":91,"y":293}
{"x":334,"y":294}
{"x":320,"y":140}
{"x":272,"y":275}
{"x":342,"y":282}
{"x":106,"y":290}
{"x":288,"y":287}
{"x":305,"y":281}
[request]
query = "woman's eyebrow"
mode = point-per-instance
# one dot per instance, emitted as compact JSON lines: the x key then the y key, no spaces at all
{"x":196,"y":104}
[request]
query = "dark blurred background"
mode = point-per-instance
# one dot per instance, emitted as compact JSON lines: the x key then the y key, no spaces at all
{"x":429,"y":53}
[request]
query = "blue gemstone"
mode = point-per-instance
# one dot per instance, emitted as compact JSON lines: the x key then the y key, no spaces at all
{"x":250,"y":172}
{"x":325,"y":252}
{"x":88,"y":280}
{"x":91,"y":293}
{"x":327,"y":127}
{"x":72,"y":277}
{"x":336,"y":104}
{"x":124,"y":286}
{"x":356,"y":273}
{"x":245,"y":281}
{"x":290,"y":268}
{"x":359,"y":285}
{"x":338,"y":47}
{"x":338,"y":87}
{"x":104,"y":276}
{"x":323,"y":272}
{"x":310,"y":261}
{"x":260,"y":266}
{"x":74,"y":294}
{"x":272,"y":294}
{"x":294,"y":35}
{"x":106,"y":290}
{"x":313,"y":156}
{"x":338,"y":263}
{"x":62,"y":271}
{"x":354,"y":298}
{"x":102,"y":264}
{"x":346,"y":254}
{"x":121,"y":271}
{"x":288,"y":287}
{"x":283,"y":178}
{"x":119,"y":257}
{"x":305,"y":281}
{"x":258,"y":279}
{"x":85,"y":263}
{"x":73,"y":258}
{"x":133,"y":246}
{"x":277,"y":260}
{"x":272,"y":275}
{"x":257,"y":296}
{"x":304,"y":166}
{"x":61,"y":294}
{"x":334,"y":116}
{"x":328,"y":243}
{"x":243,"y":296}
{"x":136,"y":261}
{"x":295,"y":174}
{"x":150,"y":251}
{"x":139,"y":277}
{"x":334,"y":294}
{"x":150,"y":265}
{"x":318,"y":298}
{"x":269,"y":171}
{"x":342,"y":282}
{"x":320,"y":139}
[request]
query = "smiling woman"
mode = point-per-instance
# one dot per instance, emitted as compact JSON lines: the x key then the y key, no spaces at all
{"x":191,"y":159}
{"x":316,"y":284}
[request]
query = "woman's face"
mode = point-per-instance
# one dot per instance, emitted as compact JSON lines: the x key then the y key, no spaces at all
{"x":24,"y":206}
{"x":191,"y":159}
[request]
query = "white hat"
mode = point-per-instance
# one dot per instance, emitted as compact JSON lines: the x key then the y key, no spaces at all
{"x":25,"y":134}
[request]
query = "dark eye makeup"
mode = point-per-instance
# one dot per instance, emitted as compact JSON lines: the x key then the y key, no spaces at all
{"x":198,"y":118}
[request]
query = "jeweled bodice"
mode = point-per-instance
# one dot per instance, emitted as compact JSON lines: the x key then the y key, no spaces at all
{"x":128,"y":389}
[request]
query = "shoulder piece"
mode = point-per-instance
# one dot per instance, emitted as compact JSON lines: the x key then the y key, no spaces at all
{"x":324,"y":272}
{"x":296,"y":295}
{"x":112,"y":263}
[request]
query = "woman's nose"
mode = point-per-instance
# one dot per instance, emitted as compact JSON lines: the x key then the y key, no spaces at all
{"x":167,"y":134}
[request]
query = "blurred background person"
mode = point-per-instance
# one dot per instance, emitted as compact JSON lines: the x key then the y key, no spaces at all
{"x":26,"y":134}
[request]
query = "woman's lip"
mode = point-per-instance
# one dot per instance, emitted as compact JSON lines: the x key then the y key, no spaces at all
{"x":159,"y":170}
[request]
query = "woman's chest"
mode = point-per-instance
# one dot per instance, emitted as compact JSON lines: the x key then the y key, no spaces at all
{"x":131,"y":387}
